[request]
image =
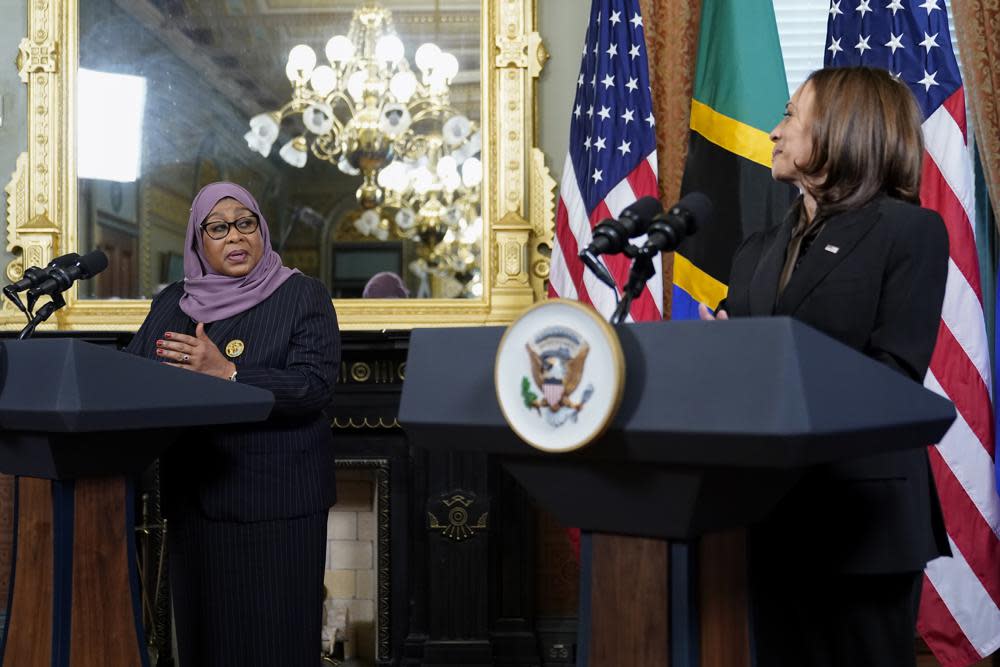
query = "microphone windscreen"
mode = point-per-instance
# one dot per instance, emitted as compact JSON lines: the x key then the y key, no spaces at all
{"x":699,"y":209}
{"x":64,"y":261}
{"x":644,"y":208}
{"x":92,"y":263}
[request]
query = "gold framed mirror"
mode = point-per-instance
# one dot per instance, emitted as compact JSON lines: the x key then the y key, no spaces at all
{"x":54,"y":209}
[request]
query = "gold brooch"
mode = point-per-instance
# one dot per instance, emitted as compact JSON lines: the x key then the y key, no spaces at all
{"x":234,"y":348}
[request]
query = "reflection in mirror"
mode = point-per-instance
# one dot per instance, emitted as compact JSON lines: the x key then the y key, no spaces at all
{"x":365,"y":158}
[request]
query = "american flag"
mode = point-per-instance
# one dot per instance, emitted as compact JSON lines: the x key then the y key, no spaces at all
{"x":960,"y":604}
{"x":612,"y":156}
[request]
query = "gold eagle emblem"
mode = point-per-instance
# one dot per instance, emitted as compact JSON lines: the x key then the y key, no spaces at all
{"x":558,"y":358}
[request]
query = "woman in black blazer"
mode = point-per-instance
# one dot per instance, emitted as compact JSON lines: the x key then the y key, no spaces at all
{"x":836,"y":570}
{"x":247,"y":505}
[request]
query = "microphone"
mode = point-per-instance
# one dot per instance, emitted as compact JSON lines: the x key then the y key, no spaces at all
{"x":668,"y":229}
{"x":61,"y":277}
{"x":611,"y":236}
{"x":34,"y":276}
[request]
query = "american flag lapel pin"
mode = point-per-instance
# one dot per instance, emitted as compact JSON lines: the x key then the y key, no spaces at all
{"x":832,"y":249}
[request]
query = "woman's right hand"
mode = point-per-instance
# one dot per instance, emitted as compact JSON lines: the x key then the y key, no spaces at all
{"x":705,"y":314}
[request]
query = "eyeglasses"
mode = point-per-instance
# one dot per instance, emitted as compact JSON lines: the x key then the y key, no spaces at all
{"x":219,"y":230}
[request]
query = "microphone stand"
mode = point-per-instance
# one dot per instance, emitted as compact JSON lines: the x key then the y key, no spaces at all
{"x":43,"y":314}
{"x":642,"y":270}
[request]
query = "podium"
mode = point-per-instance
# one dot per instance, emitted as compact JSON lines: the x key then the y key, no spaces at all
{"x":717,"y":422}
{"x":77,"y":422}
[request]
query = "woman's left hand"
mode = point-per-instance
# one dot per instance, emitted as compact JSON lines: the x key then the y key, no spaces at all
{"x":195,"y":353}
{"x":706,"y":314}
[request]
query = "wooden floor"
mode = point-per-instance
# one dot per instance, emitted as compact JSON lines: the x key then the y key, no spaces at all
{"x":926,"y":659}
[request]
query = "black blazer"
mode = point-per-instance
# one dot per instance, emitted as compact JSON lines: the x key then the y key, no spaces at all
{"x":873,"y":278}
{"x":280,"y":468}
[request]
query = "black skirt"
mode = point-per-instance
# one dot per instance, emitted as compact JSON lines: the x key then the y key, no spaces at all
{"x":247,"y":594}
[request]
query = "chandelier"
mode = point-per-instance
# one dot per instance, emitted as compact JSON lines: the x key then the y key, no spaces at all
{"x":370,"y":114}
{"x":440,"y":212}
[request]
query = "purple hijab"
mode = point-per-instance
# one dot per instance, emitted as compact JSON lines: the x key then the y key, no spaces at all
{"x":385,"y":285}
{"x":210,"y":296}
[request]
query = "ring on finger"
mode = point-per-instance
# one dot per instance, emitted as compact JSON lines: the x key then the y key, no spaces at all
{"x":185,"y":358}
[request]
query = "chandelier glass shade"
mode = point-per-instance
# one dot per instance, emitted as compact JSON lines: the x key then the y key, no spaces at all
{"x":368,"y":112}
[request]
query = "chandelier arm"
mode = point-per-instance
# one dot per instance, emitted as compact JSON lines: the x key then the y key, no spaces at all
{"x":423,"y":114}
{"x":326,"y":147}
{"x":287,"y":110}
{"x":439,"y":113}
{"x":422,"y":107}
{"x":341,"y":96}
{"x":337,"y":129}
{"x":321,"y":154}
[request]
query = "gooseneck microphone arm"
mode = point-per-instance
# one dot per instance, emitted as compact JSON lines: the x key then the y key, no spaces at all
{"x":11,"y":294}
{"x":640,"y":273}
{"x":597,"y":267}
{"x":43,"y":314}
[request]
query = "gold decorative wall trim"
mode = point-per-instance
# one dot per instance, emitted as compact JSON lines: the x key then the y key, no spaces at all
{"x":543,"y":209}
{"x":375,"y":371}
{"x":458,"y":515}
{"x":43,"y":195}
{"x":35,"y":57}
{"x":363,"y":423}
{"x":17,"y":215}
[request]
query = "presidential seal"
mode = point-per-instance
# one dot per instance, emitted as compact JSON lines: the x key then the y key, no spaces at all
{"x":558,"y":358}
{"x":559,"y":375}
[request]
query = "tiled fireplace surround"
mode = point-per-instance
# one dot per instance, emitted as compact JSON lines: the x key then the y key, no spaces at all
{"x":352,"y":560}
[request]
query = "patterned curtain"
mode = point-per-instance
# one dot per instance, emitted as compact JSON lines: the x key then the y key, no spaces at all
{"x":978,"y":24}
{"x":671,"y":28}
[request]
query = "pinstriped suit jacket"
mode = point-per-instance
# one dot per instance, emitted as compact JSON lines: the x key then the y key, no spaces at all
{"x":280,"y":468}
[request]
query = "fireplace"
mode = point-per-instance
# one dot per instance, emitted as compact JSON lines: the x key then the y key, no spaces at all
{"x":358,"y":564}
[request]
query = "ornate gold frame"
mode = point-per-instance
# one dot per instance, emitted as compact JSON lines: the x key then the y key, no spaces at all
{"x":519,"y":210}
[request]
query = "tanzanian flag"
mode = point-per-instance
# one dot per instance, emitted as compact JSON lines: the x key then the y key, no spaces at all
{"x":740,"y":91}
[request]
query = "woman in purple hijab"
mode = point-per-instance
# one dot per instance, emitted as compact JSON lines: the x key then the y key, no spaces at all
{"x":247,"y":504}
{"x":385,"y":285}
